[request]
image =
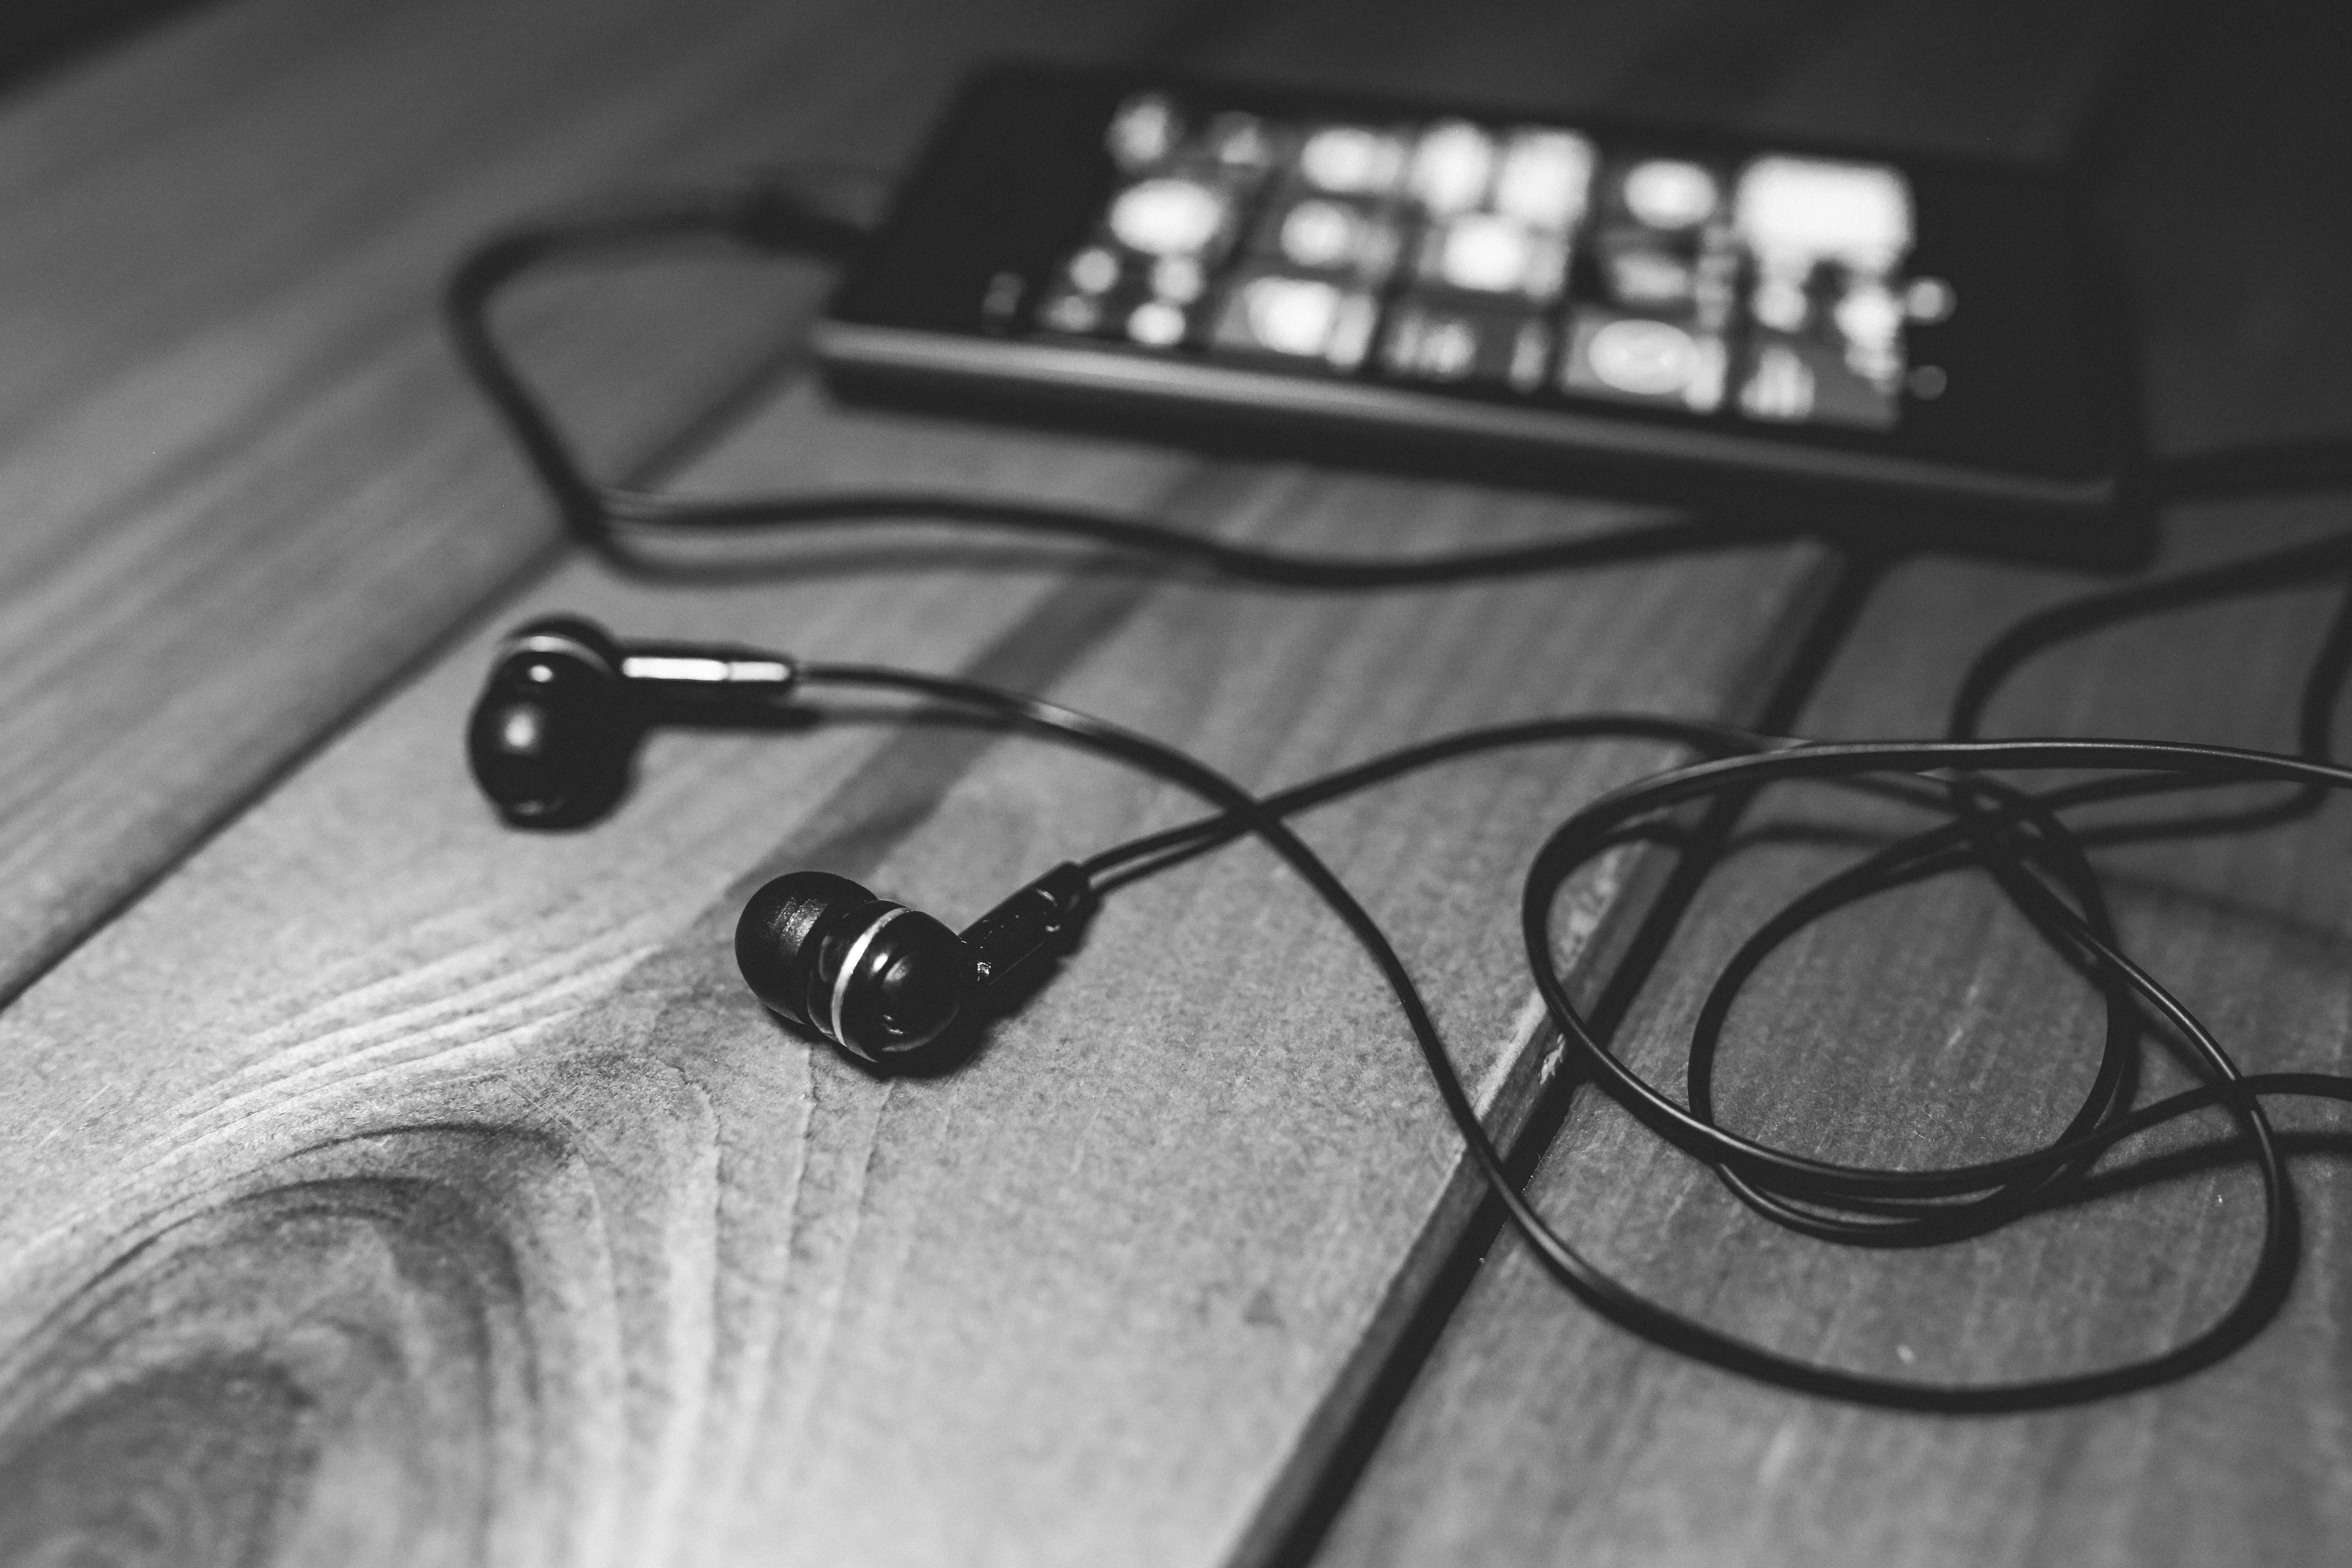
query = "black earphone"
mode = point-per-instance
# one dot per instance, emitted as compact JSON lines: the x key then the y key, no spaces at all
{"x":883,"y":981}
{"x":553,"y":733}
{"x":550,"y":742}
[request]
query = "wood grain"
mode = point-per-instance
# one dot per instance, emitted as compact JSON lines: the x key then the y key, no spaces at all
{"x":470,"y":1147}
{"x":245,"y":484}
{"x":1926,"y":1028}
{"x":389,"y":1186}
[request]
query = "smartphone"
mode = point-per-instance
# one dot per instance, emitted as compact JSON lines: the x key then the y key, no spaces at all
{"x":1910,"y":349}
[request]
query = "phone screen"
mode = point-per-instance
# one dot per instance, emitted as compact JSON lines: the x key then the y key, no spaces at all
{"x":1518,"y":256}
{"x":1947,"y":313}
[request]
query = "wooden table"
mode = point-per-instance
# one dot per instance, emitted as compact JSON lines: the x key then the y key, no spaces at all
{"x":389,"y":1186}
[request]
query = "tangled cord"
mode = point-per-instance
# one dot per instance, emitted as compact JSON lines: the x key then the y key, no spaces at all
{"x":2021,"y":840}
{"x":2016,"y":836}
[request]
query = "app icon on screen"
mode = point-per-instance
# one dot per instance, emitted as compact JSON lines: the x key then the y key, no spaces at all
{"x":1341,"y":235}
{"x":1296,"y":318}
{"x":1789,"y":378}
{"x":1525,"y":258}
{"x":1449,"y":340}
{"x":1642,"y":359}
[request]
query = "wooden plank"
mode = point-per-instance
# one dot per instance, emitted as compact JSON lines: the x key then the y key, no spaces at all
{"x":390,"y":1184}
{"x":244,"y":483}
{"x":469,"y":1145}
{"x":1928,"y":1029}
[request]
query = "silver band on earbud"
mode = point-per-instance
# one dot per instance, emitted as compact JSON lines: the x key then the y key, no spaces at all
{"x":849,"y":967}
{"x":699,"y":671}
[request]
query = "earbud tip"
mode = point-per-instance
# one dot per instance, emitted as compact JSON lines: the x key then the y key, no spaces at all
{"x":534,"y":773}
{"x":551,"y":738}
{"x":771,"y":938}
{"x":874,"y":977}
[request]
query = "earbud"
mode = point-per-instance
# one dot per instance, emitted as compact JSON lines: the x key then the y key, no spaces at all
{"x":566,"y":703}
{"x":881,"y":979}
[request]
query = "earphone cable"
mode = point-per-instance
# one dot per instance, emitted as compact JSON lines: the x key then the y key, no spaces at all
{"x":1788,"y":1175}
